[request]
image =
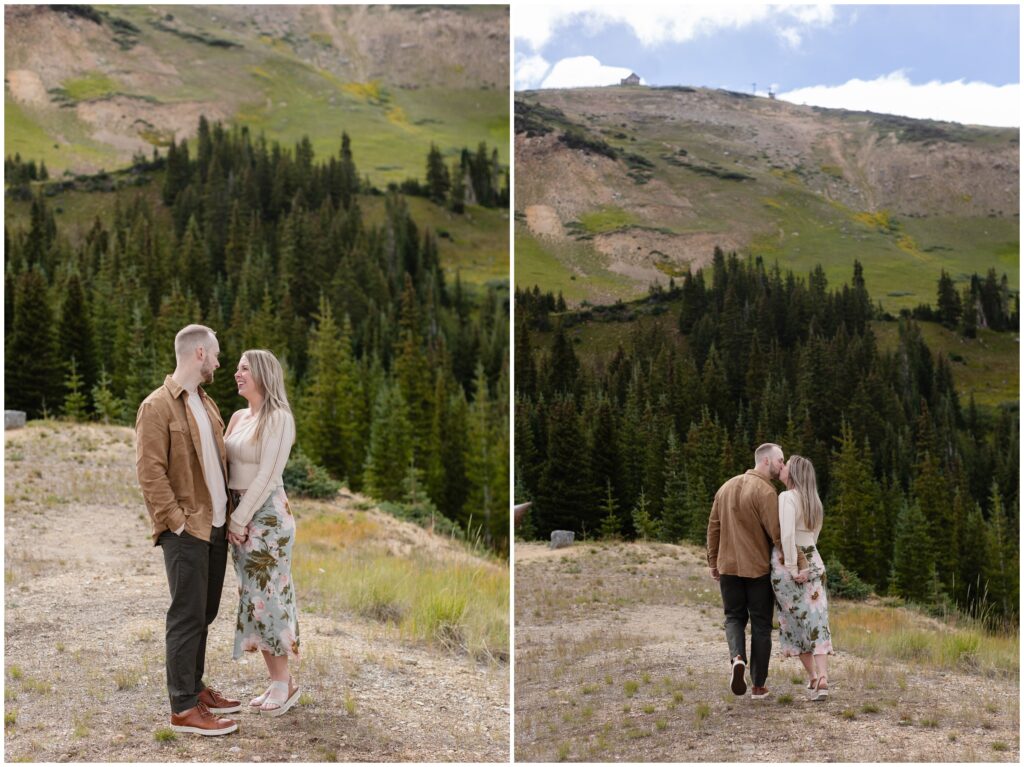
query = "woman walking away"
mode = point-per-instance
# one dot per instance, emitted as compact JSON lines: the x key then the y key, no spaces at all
{"x":803,"y":605}
{"x":262,"y":529}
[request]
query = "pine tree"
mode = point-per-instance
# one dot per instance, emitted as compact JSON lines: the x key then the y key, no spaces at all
{"x":934,"y":497}
{"x":75,"y":340}
{"x":75,"y":401}
{"x":390,"y":445}
{"x":913,"y":564}
{"x":675,"y":520}
{"x":948,"y":301}
{"x":564,"y":495}
{"x":646,"y":527}
{"x":974,"y":590}
{"x":32,"y":373}
{"x":321,"y":413}
{"x":108,"y":408}
{"x":610,"y":529}
{"x":482,"y":505}
{"x":853,"y":507}
{"x":1001,"y":567}
{"x":413,"y":373}
{"x":438,"y":180}
{"x":457,"y":200}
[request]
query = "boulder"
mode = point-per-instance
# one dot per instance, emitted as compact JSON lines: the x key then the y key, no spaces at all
{"x":13,"y":419}
{"x":562,"y":538}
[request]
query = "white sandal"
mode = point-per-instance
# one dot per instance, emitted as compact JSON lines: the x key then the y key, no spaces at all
{"x":821,"y":693}
{"x":258,"y":701}
{"x":278,"y":697}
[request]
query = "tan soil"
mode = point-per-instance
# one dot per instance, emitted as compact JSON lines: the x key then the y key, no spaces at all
{"x":118,"y":121}
{"x":543,"y":221}
{"x":634,"y":252}
{"x":26,"y":87}
{"x":592,"y":617}
{"x":85,"y":599}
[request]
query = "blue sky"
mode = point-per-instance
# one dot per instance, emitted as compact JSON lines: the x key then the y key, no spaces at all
{"x":949,"y":62}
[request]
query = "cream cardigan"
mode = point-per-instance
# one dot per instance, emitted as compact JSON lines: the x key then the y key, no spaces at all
{"x":257,"y":467}
{"x":792,"y":530}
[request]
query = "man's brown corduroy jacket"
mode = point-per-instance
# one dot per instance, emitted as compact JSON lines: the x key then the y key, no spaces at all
{"x":744,"y":525}
{"x":169,"y":461}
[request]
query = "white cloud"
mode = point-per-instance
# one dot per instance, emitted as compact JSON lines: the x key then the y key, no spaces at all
{"x":658,"y":22}
{"x":790,"y":36}
{"x":970,"y":103}
{"x":530,"y":71}
{"x":583,"y":72}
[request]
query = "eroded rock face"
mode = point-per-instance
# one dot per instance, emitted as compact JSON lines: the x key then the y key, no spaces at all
{"x":561,"y":539}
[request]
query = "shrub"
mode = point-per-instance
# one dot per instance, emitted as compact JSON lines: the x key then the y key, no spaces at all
{"x":425,"y":515}
{"x":305,"y":478}
{"x":845,"y":583}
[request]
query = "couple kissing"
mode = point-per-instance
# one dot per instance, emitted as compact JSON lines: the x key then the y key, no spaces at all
{"x":762,"y":549}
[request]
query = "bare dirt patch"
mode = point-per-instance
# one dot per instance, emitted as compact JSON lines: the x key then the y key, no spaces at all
{"x":621,"y":656}
{"x":652,"y":256}
{"x":543,"y":221}
{"x":26,"y":87}
{"x":86,"y":595}
{"x":118,"y":121}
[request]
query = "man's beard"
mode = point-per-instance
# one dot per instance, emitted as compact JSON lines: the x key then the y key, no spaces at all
{"x":207,"y":375}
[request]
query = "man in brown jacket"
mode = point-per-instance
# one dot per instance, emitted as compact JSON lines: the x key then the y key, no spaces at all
{"x":182,"y":468}
{"x":744,"y":525}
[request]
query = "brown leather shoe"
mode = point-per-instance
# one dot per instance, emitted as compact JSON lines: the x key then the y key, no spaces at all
{"x":217,"y":703}
{"x":758,"y":693}
{"x":200,"y":721}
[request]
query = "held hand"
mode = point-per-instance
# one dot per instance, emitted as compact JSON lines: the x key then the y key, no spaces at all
{"x":713,"y":571}
{"x":236,"y":539}
{"x":802,"y":576}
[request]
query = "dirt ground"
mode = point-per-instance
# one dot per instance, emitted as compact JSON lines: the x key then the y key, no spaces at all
{"x":621,"y":656}
{"x":86,"y":595}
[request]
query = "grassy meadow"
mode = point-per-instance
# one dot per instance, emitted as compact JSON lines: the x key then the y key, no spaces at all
{"x":436,"y":593}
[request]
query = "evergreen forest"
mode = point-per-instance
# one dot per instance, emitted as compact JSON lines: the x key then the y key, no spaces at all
{"x":396,"y":370}
{"x":632,"y":440}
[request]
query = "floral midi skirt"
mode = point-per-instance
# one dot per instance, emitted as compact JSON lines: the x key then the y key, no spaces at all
{"x":267,"y":615}
{"x":803,"y":607}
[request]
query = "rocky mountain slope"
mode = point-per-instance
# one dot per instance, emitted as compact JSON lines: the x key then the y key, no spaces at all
{"x":86,"y":87}
{"x":618,"y":187}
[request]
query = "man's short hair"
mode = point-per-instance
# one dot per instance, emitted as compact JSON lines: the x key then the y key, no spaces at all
{"x":190,"y":338}
{"x":765,"y":451}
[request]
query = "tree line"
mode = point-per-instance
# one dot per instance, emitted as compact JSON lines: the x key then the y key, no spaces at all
{"x":398,"y":374}
{"x":920,"y":491}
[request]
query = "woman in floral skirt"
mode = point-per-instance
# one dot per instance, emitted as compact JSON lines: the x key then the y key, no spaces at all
{"x":261,"y":528}
{"x":803,"y":605}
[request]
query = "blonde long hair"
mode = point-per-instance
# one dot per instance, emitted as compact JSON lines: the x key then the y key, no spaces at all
{"x":805,"y":482}
{"x":268,"y":375}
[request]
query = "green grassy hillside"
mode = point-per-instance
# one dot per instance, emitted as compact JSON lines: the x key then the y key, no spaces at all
{"x":986,"y":367}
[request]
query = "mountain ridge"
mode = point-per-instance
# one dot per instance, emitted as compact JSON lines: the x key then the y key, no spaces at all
{"x":618,"y":187}
{"x":115,"y":80}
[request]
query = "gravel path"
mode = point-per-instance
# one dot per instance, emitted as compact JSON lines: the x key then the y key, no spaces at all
{"x":621,"y":656}
{"x":85,"y":597}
